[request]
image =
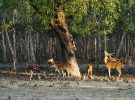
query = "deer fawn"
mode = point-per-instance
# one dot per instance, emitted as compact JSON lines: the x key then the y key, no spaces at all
{"x":33,"y":68}
{"x":89,"y":70}
{"x":112,"y":63}
{"x":60,"y":66}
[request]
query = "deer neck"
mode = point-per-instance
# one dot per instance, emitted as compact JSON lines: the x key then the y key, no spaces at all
{"x":54,"y":64}
{"x":105,"y":60}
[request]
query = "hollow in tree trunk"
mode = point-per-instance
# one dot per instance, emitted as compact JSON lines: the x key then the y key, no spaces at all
{"x":66,"y":40}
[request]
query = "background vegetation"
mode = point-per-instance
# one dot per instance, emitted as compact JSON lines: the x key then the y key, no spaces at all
{"x":24,"y":30}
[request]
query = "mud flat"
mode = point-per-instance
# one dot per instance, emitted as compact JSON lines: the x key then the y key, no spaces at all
{"x":101,"y":88}
{"x":13,"y":89}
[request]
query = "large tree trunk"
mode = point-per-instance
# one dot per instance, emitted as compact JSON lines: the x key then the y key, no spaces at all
{"x":66,"y":40}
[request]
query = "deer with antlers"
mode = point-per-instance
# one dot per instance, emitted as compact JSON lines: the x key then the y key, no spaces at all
{"x":113,"y":63}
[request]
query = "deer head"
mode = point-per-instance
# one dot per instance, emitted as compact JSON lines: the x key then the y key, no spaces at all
{"x":51,"y":61}
{"x":107,"y":56}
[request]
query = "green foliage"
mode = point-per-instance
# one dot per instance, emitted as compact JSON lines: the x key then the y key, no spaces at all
{"x":46,"y":8}
{"x":127,"y":15}
{"x":83,"y":16}
{"x":7,"y":6}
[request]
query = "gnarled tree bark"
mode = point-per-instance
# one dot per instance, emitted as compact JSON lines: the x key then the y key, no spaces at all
{"x":66,"y":39}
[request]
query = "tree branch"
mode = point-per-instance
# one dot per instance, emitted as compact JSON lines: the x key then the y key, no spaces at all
{"x":35,"y":7}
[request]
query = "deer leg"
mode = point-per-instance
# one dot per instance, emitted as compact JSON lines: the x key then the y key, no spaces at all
{"x":119,"y":71}
{"x":44,"y":74}
{"x":109,"y":71}
{"x":88,"y":72}
{"x":67,"y":73}
{"x":58,"y":72}
{"x":39,"y":76}
{"x":62,"y":72}
{"x":91,"y":74}
{"x":31,"y":74}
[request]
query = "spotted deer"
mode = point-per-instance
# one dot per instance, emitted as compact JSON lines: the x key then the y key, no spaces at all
{"x":33,"y":68}
{"x":111,"y":62}
{"x":60,"y":66}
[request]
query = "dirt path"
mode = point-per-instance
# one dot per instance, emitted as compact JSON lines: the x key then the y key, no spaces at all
{"x":66,"y":90}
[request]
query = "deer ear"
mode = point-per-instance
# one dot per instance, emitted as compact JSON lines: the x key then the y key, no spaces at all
{"x":105,"y":53}
{"x":111,"y":54}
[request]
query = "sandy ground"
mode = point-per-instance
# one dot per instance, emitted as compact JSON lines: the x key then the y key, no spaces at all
{"x":101,"y":88}
{"x":12,"y":89}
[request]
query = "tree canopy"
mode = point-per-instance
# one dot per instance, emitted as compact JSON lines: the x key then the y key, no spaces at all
{"x":83,"y":16}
